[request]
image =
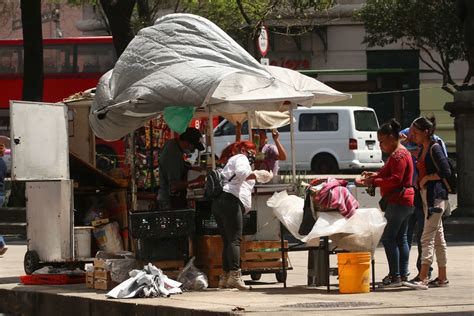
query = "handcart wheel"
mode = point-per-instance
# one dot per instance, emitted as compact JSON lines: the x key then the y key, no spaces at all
{"x":281,"y":276}
{"x":31,"y":262}
{"x":255,"y":276}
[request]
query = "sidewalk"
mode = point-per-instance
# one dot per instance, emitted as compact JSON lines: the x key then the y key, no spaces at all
{"x":267,"y":297}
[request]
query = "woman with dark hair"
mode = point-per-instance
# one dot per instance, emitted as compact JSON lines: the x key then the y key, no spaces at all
{"x":229,"y":207}
{"x":432,"y":166}
{"x":395,"y":182}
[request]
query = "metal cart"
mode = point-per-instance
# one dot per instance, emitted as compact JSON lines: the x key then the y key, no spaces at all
{"x":40,"y":156}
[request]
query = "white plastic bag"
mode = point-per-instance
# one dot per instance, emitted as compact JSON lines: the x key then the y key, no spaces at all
{"x":108,"y":237}
{"x":192,"y":278}
{"x":263,"y":176}
{"x":362,"y":231}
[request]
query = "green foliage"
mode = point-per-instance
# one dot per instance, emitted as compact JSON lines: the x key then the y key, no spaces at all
{"x":227,"y":15}
{"x":428,"y":25}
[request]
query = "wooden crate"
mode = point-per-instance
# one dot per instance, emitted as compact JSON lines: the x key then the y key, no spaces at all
{"x":255,"y":256}
{"x":102,"y":279}
{"x":262,"y":255}
{"x":105,"y":285}
{"x":90,"y":279}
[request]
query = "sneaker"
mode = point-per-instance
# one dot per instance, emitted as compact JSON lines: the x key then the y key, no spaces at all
{"x":417,"y":285}
{"x":438,"y":283}
{"x":3,"y":250}
{"x":404,"y":278}
{"x":391,"y":281}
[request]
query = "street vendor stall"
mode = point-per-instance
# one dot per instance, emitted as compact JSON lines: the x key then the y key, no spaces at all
{"x":185,"y":66}
{"x":60,"y":185}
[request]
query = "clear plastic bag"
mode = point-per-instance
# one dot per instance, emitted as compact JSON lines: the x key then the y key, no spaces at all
{"x":192,"y":278}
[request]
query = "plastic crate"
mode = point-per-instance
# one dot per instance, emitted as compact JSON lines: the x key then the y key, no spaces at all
{"x":154,"y":249}
{"x":162,"y":224}
{"x":207,"y":225}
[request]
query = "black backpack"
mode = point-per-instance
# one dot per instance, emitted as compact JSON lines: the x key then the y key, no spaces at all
{"x":451,"y":182}
{"x":215,"y":181}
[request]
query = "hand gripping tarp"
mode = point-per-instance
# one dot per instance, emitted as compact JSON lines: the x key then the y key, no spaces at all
{"x":186,"y":60}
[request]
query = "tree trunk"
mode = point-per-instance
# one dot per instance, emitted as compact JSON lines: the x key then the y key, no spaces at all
{"x":144,"y":13}
{"x":33,"y":50}
{"x":118,"y":14}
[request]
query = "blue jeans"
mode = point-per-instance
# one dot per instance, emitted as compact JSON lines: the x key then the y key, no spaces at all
{"x":394,"y":238}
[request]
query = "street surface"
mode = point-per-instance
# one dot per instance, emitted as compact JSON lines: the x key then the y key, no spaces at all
{"x":267,"y":296}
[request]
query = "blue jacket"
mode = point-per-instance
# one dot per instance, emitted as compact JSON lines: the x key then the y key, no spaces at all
{"x":436,"y":189}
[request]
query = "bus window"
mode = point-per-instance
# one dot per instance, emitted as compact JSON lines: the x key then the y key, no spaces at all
{"x":95,"y":58}
{"x":58,"y":59}
{"x":11,"y":60}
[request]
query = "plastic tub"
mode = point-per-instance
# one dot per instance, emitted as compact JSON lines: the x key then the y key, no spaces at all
{"x":82,"y":241}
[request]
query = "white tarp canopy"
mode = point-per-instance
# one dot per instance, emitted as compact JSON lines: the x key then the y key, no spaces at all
{"x":186,"y":60}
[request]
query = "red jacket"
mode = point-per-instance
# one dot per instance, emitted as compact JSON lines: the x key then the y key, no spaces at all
{"x":395,"y":174}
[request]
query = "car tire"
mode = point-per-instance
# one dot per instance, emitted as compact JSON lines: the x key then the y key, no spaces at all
{"x":324,"y":164}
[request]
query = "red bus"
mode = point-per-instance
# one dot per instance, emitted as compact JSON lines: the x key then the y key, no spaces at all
{"x":70,"y":65}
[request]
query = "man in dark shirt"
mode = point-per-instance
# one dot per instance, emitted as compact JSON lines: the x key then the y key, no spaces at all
{"x":173,"y":169}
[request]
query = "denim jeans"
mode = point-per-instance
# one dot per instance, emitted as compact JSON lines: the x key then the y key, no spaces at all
{"x":417,"y":219}
{"x":394,"y":238}
{"x":227,"y":210}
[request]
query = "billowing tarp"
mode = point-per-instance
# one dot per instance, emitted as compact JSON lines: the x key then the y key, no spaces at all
{"x":186,"y":60}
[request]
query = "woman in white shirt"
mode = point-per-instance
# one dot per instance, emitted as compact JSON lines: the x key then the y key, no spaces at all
{"x":234,"y":201}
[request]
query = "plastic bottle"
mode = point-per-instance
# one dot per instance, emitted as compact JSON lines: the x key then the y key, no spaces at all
{"x":352,"y":188}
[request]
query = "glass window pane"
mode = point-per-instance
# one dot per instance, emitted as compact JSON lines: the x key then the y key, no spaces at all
{"x":284,"y":129}
{"x":11,"y":60}
{"x":95,"y":58}
{"x":228,"y":129}
{"x":324,"y":122}
{"x":58,"y":59}
{"x":366,"y":121}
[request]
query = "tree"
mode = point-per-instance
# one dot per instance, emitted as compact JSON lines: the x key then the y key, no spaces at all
{"x":119,"y":14}
{"x":33,"y":50}
{"x":239,"y":18}
{"x":428,"y":25}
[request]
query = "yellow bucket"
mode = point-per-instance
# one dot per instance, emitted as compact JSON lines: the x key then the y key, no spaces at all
{"x":354,"y":272}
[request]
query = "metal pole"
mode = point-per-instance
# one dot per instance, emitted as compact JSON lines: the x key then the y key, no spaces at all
{"x":130,"y":158}
{"x":293,"y":151}
{"x":211,"y":136}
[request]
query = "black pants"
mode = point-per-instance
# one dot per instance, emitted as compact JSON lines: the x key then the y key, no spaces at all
{"x":227,"y":210}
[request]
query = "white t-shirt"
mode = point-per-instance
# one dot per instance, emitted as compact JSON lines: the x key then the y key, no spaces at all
{"x":239,"y":187}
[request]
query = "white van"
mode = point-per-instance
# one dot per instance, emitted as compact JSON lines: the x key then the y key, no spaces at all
{"x":327,"y":139}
